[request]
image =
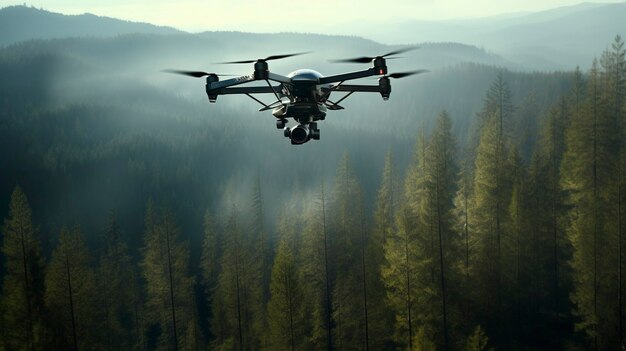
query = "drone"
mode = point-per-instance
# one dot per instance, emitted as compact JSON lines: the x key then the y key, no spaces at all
{"x":304,"y":94}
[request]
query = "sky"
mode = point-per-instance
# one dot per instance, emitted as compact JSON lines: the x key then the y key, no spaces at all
{"x":289,"y":16}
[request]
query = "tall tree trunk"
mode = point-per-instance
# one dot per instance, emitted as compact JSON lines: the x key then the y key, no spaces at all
{"x":465,"y":210}
{"x":441,"y":265}
{"x":367,"y":342}
{"x":408,"y":283}
{"x":238,"y":287}
{"x":554,"y":220}
{"x":71,"y":297}
{"x":595,"y":222}
{"x":171,"y":279}
{"x":329,"y":341}
{"x":29,"y":312}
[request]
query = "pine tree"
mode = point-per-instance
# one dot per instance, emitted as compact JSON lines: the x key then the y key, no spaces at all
{"x":402,"y":261}
{"x":489,"y":210}
{"x":348,"y":310}
{"x":71,"y":294}
{"x":210,"y":261}
{"x":436,"y":213}
{"x":517,"y":245}
{"x":463,"y":225}
{"x":22,"y":288}
{"x":317,"y":273}
{"x":386,"y":201}
{"x":115,"y":272}
{"x":286,"y":308}
{"x":547,"y":218}
{"x":261,"y":265}
{"x":617,"y":100}
{"x":232,"y":310}
{"x":380,"y":319}
{"x":589,"y":179}
{"x":168,"y":283}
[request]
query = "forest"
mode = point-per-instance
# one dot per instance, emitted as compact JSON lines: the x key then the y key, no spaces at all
{"x":484,"y":219}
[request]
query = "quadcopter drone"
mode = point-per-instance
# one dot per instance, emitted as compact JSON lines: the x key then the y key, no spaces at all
{"x":303,"y":94}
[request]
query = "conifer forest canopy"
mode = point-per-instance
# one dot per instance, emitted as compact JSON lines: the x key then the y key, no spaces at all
{"x":481,"y":208}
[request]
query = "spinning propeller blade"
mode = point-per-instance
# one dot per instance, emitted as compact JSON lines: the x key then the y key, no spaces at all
{"x":366,"y":59}
{"x":406,"y":74}
{"x":269,"y":58}
{"x":196,"y":74}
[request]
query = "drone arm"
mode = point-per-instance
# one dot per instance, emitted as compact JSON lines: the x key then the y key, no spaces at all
{"x":278,"y":78}
{"x":249,"y":90}
{"x":230,"y":82}
{"x":383,"y":87}
{"x":352,"y":75}
{"x":359,"y":88}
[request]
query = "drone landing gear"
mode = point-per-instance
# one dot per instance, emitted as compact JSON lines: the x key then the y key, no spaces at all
{"x":302,"y":133}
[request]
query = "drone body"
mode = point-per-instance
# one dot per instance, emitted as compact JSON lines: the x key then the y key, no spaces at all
{"x":303,"y":94}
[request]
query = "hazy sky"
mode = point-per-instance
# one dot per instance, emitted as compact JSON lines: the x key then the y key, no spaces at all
{"x":293,"y":15}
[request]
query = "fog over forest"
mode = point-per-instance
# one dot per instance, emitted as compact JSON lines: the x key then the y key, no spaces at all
{"x":480,"y":208}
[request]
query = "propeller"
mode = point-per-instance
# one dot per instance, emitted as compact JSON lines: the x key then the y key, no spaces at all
{"x":406,"y":74}
{"x":269,"y":58}
{"x":367,"y":59}
{"x":403,"y":74}
{"x":196,"y":74}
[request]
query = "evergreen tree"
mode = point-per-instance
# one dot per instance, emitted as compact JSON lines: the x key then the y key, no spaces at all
{"x":71,"y":294}
{"x":436,"y":214}
{"x":380,"y":317}
{"x":169,"y":286}
{"x":286,"y":308}
{"x":23,"y":280}
{"x":210,"y":261}
{"x":589,"y":179}
{"x":489,"y":205}
{"x":402,"y":261}
{"x":516,"y":230}
{"x":463,"y":225}
{"x":348,"y":310}
{"x":616,"y":72}
{"x":116,"y":299}
{"x":548,"y":221}
{"x":261,"y":265}
{"x":317,"y":273}
{"x":232,"y":309}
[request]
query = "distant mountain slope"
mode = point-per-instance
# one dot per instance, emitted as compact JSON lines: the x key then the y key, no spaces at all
{"x":19,"y":23}
{"x":556,"y":39}
{"x":560,"y":38}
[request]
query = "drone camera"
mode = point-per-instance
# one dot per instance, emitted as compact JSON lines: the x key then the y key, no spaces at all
{"x":299,"y":134}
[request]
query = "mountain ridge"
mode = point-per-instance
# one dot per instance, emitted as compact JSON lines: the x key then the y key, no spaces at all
{"x":20,"y":23}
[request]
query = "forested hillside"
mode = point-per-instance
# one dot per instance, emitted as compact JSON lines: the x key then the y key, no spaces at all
{"x":479,"y":208}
